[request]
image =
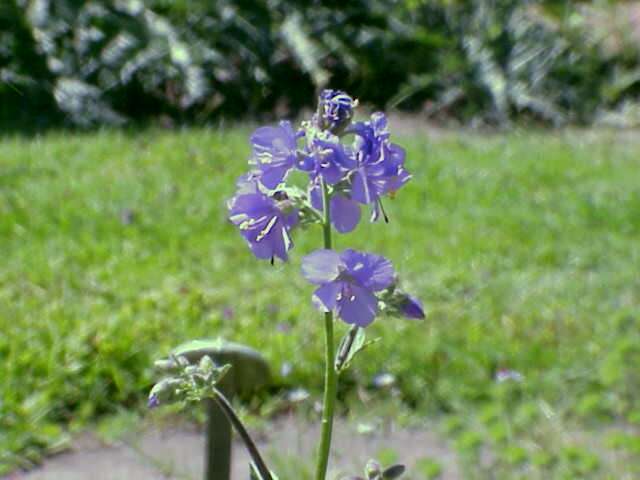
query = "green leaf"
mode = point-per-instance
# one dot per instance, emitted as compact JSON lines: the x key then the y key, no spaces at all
{"x":255,"y":475}
{"x":351,"y":344}
{"x":394,"y":471}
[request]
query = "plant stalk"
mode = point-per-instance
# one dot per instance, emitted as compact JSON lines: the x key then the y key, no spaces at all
{"x":225,"y":406}
{"x":218,"y":447}
{"x":330,"y":376}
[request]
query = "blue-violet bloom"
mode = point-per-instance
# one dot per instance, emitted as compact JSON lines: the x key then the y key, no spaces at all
{"x":379,"y":163}
{"x":274,"y":153}
{"x":348,"y":282}
{"x":326,"y":157}
{"x":335,"y":109}
{"x":263,"y":224}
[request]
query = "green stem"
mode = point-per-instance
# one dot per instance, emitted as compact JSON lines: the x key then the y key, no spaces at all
{"x":226,"y":407}
{"x":330,"y":377}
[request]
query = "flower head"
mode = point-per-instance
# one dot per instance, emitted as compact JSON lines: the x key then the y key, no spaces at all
{"x":263,"y":223}
{"x":274,"y":153}
{"x":379,"y":163}
{"x":335,"y":109}
{"x":325,"y":156}
{"x":347,"y":282}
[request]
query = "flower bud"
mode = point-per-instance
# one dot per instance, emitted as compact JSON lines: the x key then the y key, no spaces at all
{"x":373,"y":470}
{"x":335,"y":110}
{"x":153,"y":401}
{"x":396,"y":303}
{"x":162,"y":392}
{"x":411,"y":307}
{"x":206,"y":365}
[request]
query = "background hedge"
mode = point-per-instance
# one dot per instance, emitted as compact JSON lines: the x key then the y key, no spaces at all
{"x":108,"y":61}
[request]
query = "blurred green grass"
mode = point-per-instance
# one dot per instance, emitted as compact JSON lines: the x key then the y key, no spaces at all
{"x":525,"y":248}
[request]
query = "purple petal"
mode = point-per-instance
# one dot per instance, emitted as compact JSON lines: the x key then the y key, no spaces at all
{"x":315,"y":195}
{"x":396,"y":154}
{"x":373,"y":272}
{"x":262,"y":249}
{"x":324,"y":298}
{"x":272,"y":177}
{"x":321,"y":266}
{"x":364,"y":136}
{"x":306,"y":162}
{"x":357,"y":306}
{"x":344,"y":157}
{"x":274,"y":152}
{"x":412,"y":308}
{"x":285,"y":125}
{"x":331,"y":173}
{"x":250,"y":204}
{"x":379,"y":122}
{"x":345,"y":213}
{"x":331,"y":160}
{"x":394,"y":183}
{"x":278,"y":139}
{"x":280,"y":241}
{"x":360,"y":191}
{"x":291,"y":219}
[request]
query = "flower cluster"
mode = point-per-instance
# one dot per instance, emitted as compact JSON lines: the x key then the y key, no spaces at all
{"x":346,"y":165}
{"x":323,"y":173}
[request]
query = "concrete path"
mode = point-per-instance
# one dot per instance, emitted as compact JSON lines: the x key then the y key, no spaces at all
{"x":177,"y":453}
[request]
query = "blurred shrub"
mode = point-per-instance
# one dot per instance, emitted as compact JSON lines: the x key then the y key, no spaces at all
{"x":107,"y":61}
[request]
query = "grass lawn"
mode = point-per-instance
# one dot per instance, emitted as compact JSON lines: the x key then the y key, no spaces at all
{"x":524,"y":247}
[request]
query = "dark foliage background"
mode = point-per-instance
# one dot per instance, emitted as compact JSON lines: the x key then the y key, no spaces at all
{"x":113,"y":61}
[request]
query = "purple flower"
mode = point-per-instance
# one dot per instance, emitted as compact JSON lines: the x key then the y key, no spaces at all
{"x":335,"y":109}
{"x":379,"y":166}
{"x":274,"y":153}
{"x":263,"y":224}
{"x":345,"y":212}
{"x":347,"y":282}
{"x":411,"y":307}
{"x":153,"y":401}
{"x":326,"y":157}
